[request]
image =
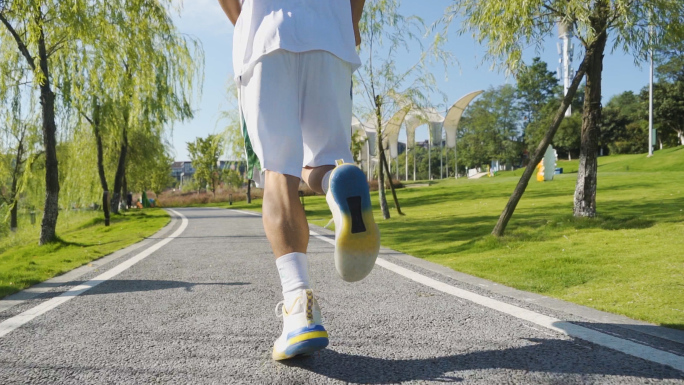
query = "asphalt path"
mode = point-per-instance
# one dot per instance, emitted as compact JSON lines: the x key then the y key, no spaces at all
{"x":195,"y":303}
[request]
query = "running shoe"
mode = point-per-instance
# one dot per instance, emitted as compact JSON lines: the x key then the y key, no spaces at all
{"x":303,"y":331}
{"x":357,"y":237}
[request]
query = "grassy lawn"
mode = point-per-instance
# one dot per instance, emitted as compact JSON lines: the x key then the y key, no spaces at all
{"x":83,"y":238}
{"x":628,"y":261}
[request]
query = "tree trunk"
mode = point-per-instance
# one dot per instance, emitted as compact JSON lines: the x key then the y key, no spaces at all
{"x":585,"y":189}
{"x":539,"y":153}
{"x":18,"y":161}
{"x":124,"y":190}
{"x":13,"y":216}
{"x":15,"y":199}
{"x":47,"y":102}
{"x":100,"y":164}
{"x":120,"y":171}
{"x":394,"y":193}
{"x":249,"y":191}
{"x":381,"y":153}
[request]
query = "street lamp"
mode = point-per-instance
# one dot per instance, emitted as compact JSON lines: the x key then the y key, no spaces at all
{"x":650,"y":100}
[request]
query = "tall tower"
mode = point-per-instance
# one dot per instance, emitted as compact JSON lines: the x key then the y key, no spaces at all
{"x":565,"y":51}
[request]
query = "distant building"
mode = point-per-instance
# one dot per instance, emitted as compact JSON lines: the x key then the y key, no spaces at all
{"x":425,"y":144}
{"x":182,"y":169}
{"x":185,"y":169}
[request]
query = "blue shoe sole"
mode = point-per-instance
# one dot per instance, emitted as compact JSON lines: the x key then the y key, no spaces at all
{"x":303,"y":342}
{"x":307,"y":347}
{"x":357,"y":238}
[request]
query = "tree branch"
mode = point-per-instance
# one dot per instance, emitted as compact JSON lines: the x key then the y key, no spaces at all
{"x":554,"y":10}
{"x":20,"y":43}
{"x":86,"y":117}
{"x":56,"y":46}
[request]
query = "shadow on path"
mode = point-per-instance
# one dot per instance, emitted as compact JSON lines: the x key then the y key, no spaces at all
{"x":126,"y":286}
{"x":220,"y":216}
{"x":114,"y":286}
{"x":263,"y":237}
{"x":557,"y":357}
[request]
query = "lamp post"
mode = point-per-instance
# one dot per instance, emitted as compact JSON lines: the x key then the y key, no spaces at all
{"x":565,"y":50}
{"x":650,"y":100}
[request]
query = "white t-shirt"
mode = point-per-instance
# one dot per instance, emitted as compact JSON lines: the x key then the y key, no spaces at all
{"x":293,"y":25}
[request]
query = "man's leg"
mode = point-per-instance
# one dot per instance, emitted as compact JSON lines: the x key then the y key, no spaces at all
{"x":270,"y":103}
{"x":317,"y":178}
{"x":288,"y":232}
{"x":284,"y":220}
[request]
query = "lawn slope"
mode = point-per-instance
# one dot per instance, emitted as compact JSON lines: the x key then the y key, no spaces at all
{"x":83,"y":238}
{"x":671,"y":159}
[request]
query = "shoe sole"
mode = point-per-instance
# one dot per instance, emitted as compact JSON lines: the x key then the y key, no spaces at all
{"x":303,"y":344}
{"x":357,"y":237}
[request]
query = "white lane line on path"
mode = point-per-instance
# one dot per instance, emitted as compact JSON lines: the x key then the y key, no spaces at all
{"x":247,"y":212}
{"x":555,"y":324}
{"x":17,"y":321}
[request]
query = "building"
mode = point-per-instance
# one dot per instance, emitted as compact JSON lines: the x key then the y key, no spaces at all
{"x":182,"y":170}
{"x":185,"y":170}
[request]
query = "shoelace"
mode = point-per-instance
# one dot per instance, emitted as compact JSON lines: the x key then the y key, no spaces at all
{"x":279,"y":313}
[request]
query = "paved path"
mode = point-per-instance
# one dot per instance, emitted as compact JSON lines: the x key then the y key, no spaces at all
{"x":199,"y":308}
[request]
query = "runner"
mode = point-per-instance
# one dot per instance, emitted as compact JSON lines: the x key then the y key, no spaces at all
{"x":293,"y":63}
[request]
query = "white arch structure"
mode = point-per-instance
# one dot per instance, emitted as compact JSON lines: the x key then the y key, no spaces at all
{"x":411,"y":119}
{"x":417,"y":118}
{"x":453,"y":117}
{"x":367,"y":129}
{"x":391,"y":140}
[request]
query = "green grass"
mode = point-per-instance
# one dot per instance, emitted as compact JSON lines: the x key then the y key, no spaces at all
{"x":671,"y":159}
{"x":82,"y":239}
{"x":628,"y":260}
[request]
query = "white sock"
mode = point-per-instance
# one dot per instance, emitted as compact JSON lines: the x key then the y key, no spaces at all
{"x":325,"y":182}
{"x":294,"y":274}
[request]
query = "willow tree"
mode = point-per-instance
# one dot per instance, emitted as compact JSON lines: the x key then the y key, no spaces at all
{"x":385,"y":87}
{"x":44,"y":34}
{"x":204,"y":155}
{"x":55,"y":37}
{"x":149,"y":165}
{"x":17,"y":149}
{"x":145,"y":84}
{"x":165,"y":70}
{"x":507,"y":27}
{"x":234,"y":139}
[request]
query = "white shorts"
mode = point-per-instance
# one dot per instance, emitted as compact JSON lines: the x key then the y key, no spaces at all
{"x":297,"y":108}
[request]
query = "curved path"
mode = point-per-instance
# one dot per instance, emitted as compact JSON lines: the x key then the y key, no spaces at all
{"x":195,"y":304}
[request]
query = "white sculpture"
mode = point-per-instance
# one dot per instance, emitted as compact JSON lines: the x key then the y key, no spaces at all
{"x":549,"y":163}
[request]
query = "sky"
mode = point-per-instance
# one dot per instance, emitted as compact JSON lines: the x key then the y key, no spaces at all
{"x":204,"y":20}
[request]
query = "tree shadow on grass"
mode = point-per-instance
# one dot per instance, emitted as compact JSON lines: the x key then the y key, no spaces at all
{"x":679,"y":326}
{"x":555,"y":357}
{"x":61,"y":242}
{"x":475,"y":231}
